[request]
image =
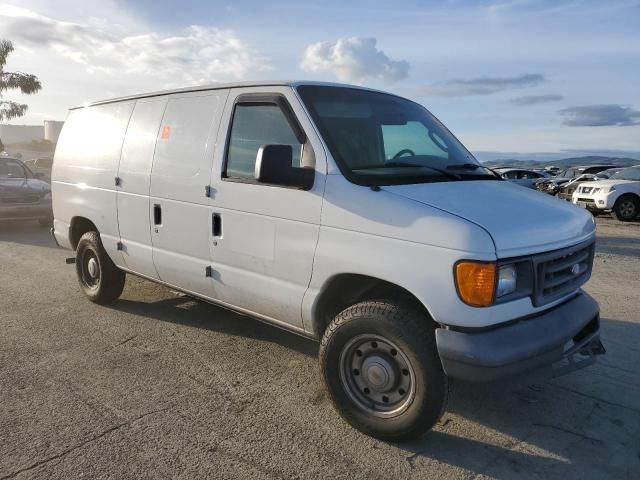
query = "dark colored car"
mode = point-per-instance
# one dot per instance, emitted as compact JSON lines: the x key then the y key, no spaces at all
{"x":23,"y":196}
{"x":553,"y":185}
{"x":521,"y":176}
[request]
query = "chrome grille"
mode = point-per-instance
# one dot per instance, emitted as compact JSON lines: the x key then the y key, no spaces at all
{"x":561,"y":272}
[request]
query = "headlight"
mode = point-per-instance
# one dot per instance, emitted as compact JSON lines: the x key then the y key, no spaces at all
{"x":595,"y":190}
{"x":507,"y":280}
{"x":608,"y":189}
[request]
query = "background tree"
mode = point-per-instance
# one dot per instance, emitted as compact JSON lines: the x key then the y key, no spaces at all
{"x":25,"y":82}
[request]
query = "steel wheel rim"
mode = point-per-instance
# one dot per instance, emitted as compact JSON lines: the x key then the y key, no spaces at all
{"x":90,"y":268}
{"x":627,"y":209}
{"x":377,"y":375}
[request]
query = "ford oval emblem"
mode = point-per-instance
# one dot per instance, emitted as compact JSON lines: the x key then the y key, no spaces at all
{"x":575,"y":268}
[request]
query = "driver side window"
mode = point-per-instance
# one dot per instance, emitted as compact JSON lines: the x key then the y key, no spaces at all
{"x":11,"y":169}
{"x":253,"y":126}
{"x":413,"y":138}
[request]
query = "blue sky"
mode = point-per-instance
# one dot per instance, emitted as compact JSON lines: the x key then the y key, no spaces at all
{"x":505,"y":75}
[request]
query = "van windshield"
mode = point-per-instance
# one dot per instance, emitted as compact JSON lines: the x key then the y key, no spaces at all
{"x":381,"y":139}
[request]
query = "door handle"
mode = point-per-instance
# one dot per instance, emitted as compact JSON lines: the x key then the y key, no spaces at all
{"x":216,"y":225}
{"x":157,"y":214}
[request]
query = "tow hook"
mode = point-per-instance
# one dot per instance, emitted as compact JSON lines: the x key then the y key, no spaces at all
{"x":580,"y":355}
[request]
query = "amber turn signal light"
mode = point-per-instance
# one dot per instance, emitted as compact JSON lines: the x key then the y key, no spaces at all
{"x":476,"y":282}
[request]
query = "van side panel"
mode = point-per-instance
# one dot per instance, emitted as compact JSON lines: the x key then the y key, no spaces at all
{"x":133,"y":193}
{"x":181,"y":171}
{"x":85,"y":167}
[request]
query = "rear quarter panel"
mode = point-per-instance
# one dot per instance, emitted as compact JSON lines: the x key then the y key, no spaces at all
{"x":84,"y":169}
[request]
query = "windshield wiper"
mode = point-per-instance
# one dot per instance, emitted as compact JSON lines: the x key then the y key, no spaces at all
{"x":408,"y":165}
{"x":473,"y":166}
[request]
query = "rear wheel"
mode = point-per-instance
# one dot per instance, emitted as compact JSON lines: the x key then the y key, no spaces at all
{"x":626,"y":208}
{"x":380,"y":364}
{"x":99,"y":278}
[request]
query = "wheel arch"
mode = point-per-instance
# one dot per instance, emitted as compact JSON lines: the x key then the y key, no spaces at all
{"x":633,"y":196}
{"x":78,"y":227}
{"x":344,"y":289}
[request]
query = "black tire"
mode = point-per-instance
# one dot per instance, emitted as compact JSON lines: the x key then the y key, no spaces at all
{"x":402,"y":325}
{"x":105,"y":284}
{"x":626,"y":208}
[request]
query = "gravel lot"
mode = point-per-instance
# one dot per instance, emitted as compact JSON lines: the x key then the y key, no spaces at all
{"x":159,"y":385}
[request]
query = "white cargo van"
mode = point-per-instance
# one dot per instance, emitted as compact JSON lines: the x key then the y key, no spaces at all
{"x":344,"y":214}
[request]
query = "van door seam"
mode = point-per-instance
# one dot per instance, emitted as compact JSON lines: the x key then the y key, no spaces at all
{"x":153,"y":161}
{"x":117,"y":191}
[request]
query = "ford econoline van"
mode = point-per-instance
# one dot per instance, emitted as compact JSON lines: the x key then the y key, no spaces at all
{"x":344,"y":214}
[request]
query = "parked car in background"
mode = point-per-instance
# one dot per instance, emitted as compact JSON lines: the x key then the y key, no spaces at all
{"x":41,"y":166}
{"x":23,"y":196}
{"x":567,"y":190}
{"x":620,"y":194}
{"x":526,"y":178}
{"x":607,"y":173}
{"x":552,"y":185}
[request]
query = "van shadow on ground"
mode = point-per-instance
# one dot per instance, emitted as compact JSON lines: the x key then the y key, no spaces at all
{"x":535,"y":412}
{"x":183,"y":310}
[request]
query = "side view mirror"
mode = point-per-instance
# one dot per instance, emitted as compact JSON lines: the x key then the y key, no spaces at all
{"x":273,"y":165}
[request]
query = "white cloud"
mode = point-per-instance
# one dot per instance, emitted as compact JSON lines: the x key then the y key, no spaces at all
{"x":354,"y":59}
{"x":198,"y":54}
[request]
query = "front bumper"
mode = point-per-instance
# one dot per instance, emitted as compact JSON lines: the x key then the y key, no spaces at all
{"x":595,"y":202}
{"x":568,"y":334}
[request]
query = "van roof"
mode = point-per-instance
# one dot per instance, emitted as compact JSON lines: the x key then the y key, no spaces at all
{"x":220,"y":86}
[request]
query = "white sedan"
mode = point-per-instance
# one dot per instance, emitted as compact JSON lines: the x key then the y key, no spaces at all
{"x":619,"y":194}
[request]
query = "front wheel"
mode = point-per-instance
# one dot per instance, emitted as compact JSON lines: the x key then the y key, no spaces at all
{"x":626,"y":208}
{"x":381,"y":367}
{"x":99,"y":278}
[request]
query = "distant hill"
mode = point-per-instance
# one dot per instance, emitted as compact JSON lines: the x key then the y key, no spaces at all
{"x":565,"y":162}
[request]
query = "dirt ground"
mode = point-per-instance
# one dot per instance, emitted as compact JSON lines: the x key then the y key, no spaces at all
{"x":159,"y":385}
